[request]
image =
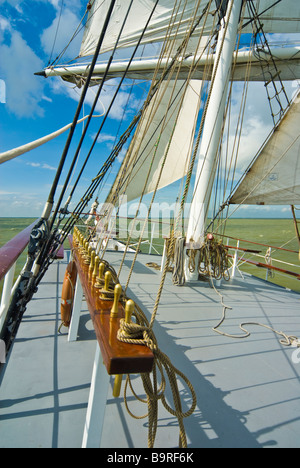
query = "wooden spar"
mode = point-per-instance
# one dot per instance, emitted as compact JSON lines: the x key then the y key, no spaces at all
{"x":148,"y":66}
{"x":118,"y":357}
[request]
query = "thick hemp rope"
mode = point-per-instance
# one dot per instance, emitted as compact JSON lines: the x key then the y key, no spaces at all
{"x":141,"y":333}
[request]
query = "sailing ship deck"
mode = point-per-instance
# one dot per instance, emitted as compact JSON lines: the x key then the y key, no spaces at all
{"x":248,"y":390}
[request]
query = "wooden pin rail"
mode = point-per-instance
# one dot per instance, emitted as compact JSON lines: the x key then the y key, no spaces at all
{"x":118,"y":357}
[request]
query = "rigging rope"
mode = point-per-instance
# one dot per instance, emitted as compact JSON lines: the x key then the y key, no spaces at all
{"x":212,"y":259}
{"x":141,"y":333}
{"x":179,"y":262}
{"x":56,"y":32}
{"x":89,"y":193}
{"x":98,"y":179}
{"x":286,"y":340}
{"x":89,"y":120}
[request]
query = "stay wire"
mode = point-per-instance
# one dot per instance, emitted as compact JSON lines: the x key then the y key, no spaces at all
{"x":75,"y":34}
{"x":56,"y":32}
{"x":89,"y":193}
{"x":44,"y":259}
{"x":99,"y":177}
{"x":78,"y":111}
{"x":88,"y":123}
{"x":114,"y":97}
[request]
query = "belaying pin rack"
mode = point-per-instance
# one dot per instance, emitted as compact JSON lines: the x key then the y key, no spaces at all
{"x":119,"y":358}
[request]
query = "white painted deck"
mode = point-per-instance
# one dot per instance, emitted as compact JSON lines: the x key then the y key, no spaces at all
{"x":248,"y":390}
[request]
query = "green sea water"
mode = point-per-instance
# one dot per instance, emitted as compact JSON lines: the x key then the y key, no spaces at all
{"x":263,"y":232}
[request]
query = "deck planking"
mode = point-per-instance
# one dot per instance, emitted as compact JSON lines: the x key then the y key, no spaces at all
{"x":248,"y":390}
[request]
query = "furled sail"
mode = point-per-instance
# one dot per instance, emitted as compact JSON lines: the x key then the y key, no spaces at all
{"x":286,"y":59}
{"x":172,"y":117}
{"x":274,"y":178}
{"x":15,"y":152}
{"x":277,"y":17}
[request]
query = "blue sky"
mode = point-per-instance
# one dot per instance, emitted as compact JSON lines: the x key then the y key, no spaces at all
{"x":34,"y":107}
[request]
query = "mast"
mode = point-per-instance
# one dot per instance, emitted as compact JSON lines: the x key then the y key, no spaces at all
{"x":212,"y":130}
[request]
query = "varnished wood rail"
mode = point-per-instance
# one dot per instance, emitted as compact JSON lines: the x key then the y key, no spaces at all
{"x":11,"y":251}
{"x":9,"y":254}
{"x":118,"y":357}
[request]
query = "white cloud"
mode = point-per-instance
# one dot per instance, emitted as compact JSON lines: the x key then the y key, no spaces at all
{"x":55,"y":3}
{"x":4,"y":24}
{"x":42,"y":166}
{"x":20,"y":204}
{"x":18,"y":63}
{"x":121,"y":102}
{"x":3,"y":193}
{"x":104,"y":138}
{"x":33,"y":164}
{"x":257,"y":120}
{"x":48,"y":167}
{"x":13,"y":3}
{"x":68,"y":23}
{"x":257,"y":123}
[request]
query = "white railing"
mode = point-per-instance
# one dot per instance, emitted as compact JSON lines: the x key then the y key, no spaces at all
{"x":267,"y":261}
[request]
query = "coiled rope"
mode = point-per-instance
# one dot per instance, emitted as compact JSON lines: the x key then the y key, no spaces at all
{"x":141,"y":333}
{"x":179,"y":262}
{"x":212,"y":260}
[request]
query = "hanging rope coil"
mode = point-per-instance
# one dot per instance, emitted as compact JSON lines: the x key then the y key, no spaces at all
{"x":179,"y":262}
{"x":141,"y":333}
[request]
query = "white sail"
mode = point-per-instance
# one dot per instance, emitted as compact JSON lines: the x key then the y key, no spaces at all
{"x":166,"y":12}
{"x":172,"y":134}
{"x":274,"y":178}
{"x":276,"y":17}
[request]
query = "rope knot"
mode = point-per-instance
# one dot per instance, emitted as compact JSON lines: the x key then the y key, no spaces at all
{"x":134,"y":333}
